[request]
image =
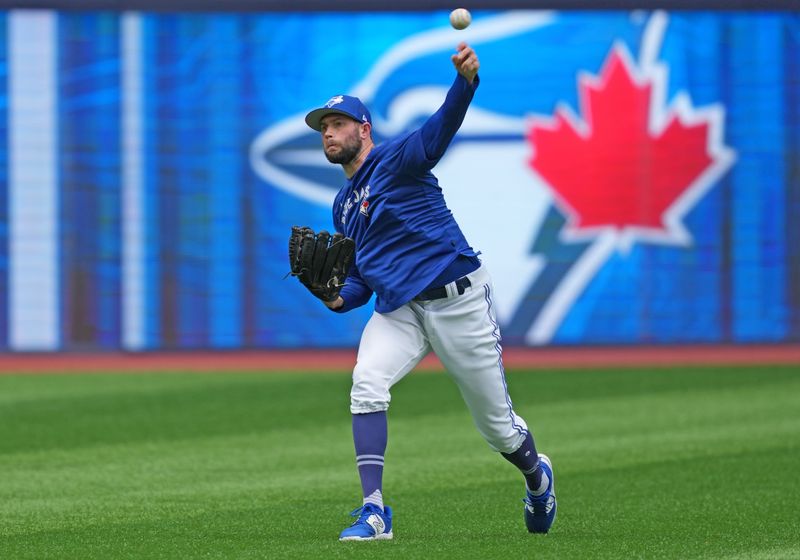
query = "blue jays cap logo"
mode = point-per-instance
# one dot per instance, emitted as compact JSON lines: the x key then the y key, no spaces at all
{"x":335,"y":100}
{"x":341,"y":104}
{"x":559,"y":162}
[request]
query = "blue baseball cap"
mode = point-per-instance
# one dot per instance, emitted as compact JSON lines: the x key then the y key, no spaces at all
{"x":343,"y":105}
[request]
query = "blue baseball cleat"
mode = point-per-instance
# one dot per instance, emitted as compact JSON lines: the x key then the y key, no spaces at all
{"x":540,"y":511}
{"x":372,"y":524}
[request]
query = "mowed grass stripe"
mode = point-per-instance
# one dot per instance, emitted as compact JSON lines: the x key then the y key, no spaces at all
{"x":690,"y":463}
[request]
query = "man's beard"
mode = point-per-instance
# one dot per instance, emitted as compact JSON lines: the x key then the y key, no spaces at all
{"x":348,"y":151}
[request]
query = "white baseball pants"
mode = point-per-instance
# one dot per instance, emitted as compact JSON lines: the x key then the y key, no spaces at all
{"x":462,"y":330}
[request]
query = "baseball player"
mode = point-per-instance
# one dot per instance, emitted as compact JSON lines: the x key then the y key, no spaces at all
{"x":432,"y":293}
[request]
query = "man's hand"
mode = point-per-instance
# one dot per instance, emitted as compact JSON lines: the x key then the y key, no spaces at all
{"x":320,"y":261}
{"x":466,"y":62}
{"x":335,"y":304}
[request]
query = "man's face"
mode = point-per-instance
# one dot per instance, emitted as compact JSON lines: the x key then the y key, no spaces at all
{"x":341,"y":138}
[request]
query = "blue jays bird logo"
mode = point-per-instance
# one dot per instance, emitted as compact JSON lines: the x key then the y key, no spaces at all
{"x":606,"y":157}
{"x":335,"y":100}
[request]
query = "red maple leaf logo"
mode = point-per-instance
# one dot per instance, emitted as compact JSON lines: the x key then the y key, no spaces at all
{"x":631,"y":166}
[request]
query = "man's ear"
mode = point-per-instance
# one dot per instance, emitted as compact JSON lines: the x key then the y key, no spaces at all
{"x":366,"y":130}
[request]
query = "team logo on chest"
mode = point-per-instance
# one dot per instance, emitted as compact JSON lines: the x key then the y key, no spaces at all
{"x":356,"y":197}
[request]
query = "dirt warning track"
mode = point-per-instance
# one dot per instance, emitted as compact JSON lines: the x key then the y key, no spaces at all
{"x":343,"y":359}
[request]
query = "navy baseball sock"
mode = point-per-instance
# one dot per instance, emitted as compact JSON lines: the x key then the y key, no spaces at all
{"x":369,"y":436}
{"x":526,"y":459}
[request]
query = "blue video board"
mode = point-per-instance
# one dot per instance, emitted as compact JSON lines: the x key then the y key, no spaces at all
{"x":631,"y":177}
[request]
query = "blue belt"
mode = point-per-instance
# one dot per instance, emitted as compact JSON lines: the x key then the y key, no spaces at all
{"x":438,"y":293}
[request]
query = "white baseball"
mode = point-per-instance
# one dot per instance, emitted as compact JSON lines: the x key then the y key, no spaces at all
{"x":460,"y":18}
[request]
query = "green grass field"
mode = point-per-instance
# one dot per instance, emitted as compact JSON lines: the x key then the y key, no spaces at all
{"x":660,"y":463}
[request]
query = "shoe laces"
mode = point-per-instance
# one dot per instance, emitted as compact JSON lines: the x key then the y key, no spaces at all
{"x":362,"y":513}
{"x":537,"y":503}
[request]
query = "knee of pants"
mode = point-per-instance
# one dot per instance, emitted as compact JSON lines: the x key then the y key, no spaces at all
{"x":368,"y":396}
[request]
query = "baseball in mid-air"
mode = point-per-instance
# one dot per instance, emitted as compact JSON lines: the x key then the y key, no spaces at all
{"x":460,"y":18}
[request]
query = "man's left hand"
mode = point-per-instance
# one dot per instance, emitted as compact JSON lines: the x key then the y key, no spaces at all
{"x":466,"y":62}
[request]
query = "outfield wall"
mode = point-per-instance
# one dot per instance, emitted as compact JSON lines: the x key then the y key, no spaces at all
{"x":632,"y":177}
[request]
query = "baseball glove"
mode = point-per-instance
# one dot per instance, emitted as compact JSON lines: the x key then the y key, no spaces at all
{"x":320,"y":260}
